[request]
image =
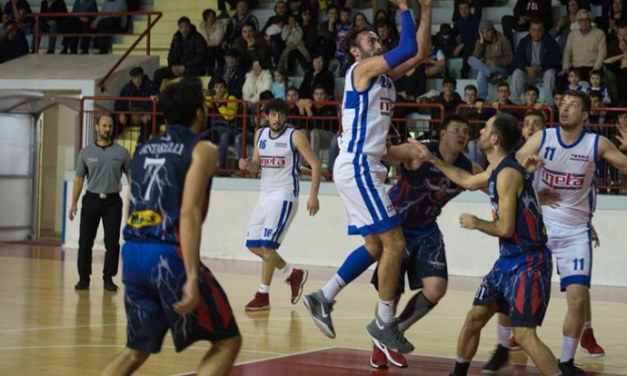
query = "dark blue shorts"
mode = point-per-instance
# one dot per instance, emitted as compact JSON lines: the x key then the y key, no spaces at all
{"x":153,"y":276}
{"x":520,"y":286}
{"x":424,"y":257}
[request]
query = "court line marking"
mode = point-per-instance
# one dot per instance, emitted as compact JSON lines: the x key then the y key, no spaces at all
{"x":284,"y":355}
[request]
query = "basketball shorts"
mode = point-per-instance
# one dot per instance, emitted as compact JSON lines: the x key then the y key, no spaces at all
{"x":572,"y":248}
{"x":270,"y":221}
{"x":424,"y":257}
{"x":520,"y":286}
{"x":359,"y":180}
{"x":153,"y":276}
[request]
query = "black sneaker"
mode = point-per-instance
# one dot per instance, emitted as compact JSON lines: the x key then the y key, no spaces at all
{"x":82,"y":285}
{"x":570,"y":369}
{"x":110,"y":286}
{"x":499,"y":359}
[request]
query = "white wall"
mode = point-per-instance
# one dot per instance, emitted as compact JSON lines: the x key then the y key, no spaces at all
{"x":322,"y":240}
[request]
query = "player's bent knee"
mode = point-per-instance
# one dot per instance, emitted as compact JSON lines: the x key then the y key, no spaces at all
{"x":435,"y":293}
{"x":475,"y":320}
{"x":136,"y":356}
{"x":231,"y":345}
{"x":525,"y":335}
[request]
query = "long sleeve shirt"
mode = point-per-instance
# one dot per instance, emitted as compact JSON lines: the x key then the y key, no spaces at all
{"x":88,"y":6}
{"x":256,"y":85}
{"x":587,"y":50}
{"x":112,"y":6}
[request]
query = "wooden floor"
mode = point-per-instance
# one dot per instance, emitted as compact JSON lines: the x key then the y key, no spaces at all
{"x":47,"y":328}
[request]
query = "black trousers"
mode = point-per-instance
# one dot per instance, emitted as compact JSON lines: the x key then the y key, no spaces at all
{"x":110,"y":210}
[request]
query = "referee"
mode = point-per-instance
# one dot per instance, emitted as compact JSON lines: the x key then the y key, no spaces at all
{"x":103,"y":164}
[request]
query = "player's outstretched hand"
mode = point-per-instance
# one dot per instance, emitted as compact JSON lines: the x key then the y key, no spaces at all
{"x":549,"y":198}
{"x":242,"y":164}
{"x":190,"y":299}
{"x":401,"y":4}
{"x":533,"y":163}
{"x":622,"y":136}
{"x":467,"y":221}
{"x":420,"y":150}
{"x":313,"y":205}
{"x":425,"y":3}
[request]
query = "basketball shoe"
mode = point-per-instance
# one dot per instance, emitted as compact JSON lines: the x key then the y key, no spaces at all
{"x":297,"y":280}
{"x":590,"y":345}
{"x":261,"y":302}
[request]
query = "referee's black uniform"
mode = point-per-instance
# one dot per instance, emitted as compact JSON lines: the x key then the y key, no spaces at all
{"x":103,"y":167}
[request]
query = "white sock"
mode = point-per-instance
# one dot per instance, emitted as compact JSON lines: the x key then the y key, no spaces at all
{"x":287,"y":270}
{"x":386,"y":310}
{"x":333,"y":287}
{"x":587,"y":325}
{"x":569,"y":347}
{"x":264,"y":289}
{"x":460,"y":360}
{"x":503,"y":334}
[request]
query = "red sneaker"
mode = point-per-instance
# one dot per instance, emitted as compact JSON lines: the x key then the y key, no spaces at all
{"x":297,"y":280}
{"x":513,"y":344}
{"x":397,"y":359}
{"x":590,"y":345}
{"x":261,"y":302}
{"x":378,"y":359}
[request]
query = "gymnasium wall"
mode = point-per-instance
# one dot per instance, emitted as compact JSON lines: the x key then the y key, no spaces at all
{"x":322,"y":240}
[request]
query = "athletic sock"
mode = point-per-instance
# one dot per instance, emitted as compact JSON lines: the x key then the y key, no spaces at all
{"x":287,"y":270}
{"x":503,"y":334}
{"x":355,"y":264}
{"x":417,"y":307}
{"x":461,"y":366}
{"x":264,"y":289}
{"x":569,"y":347}
{"x":333,"y":287}
{"x":587,"y":325}
{"x":386,"y":310}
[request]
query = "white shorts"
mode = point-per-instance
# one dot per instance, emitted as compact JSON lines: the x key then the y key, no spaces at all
{"x":359,"y":180}
{"x":572,"y":247}
{"x":270,"y":221}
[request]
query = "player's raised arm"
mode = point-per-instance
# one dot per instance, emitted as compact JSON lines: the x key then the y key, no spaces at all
{"x":365,"y":46}
{"x":302,"y":146}
{"x":253,"y":164}
{"x":423,"y":39}
{"x":531,"y":147}
{"x":508,"y":185}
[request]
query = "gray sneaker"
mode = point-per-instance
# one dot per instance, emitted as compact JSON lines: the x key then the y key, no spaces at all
{"x":320,"y":310}
{"x":390,"y":335}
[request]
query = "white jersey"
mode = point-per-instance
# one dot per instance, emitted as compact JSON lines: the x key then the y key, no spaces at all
{"x":366,"y":115}
{"x":571,"y":171}
{"x":278,"y":163}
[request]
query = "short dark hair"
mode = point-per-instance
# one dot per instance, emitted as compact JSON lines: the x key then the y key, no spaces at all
{"x":595,"y":94}
{"x":597,"y":72}
{"x":278,"y":105}
{"x":622,"y":25}
{"x":330,"y":7}
{"x":532,"y":88}
{"x":266,"y":95}
{"x":102,"y":116}
{"x":206,"y":13}
{"x":292,"y":88}
{"x":537,"y":113}
{"x":351,"y":40}
{"x":448,"y":119}
{"x":585,"y":98}
{"x":137,"y":71}
{"x":471,"y":87}
{"x":574,"y":70}
{"x":232,"y":53}
{"x":218,"y":81}
{"x":184,"y":20}
{"x":346,"y":10}
{"x":449,"y":80}
{"x":537,"y":21}
{"x":319,"y":86}
{"x":463,"y":2}
{"x":501,"y":84}
{"x":558,"y":91}
{"x":508,"y":131}
{"x":383,"y":23}
{"x":181,"y":101}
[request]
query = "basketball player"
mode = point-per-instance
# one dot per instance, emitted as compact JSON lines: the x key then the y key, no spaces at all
{"x":277,"y":152}
{"x":418,"y":197}
{"x":570,"y":156}
{"x":369,"y":95}
{"x":519,"y":284}
{"x":166,"y":286}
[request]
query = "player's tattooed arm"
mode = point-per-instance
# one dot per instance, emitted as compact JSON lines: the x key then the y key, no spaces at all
{"x":252,"y":165}
{"x":508,"y":187}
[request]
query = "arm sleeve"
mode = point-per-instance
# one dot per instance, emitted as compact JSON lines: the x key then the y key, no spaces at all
{"x":407,"y":46}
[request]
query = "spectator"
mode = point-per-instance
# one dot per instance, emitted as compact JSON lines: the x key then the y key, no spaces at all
{"x":478,"y":6}
{"x":108,"y":24}
{"x":359,"y":19}
{"x":445,"y":41}
{"x":341,"y":29}
{"x":585,"y":48}
{"x":558,"y":97}
{"x":242,"y":17}
{"x":609,"y":22}
{"x":251,"y":47}
{"x":326,"y":31}
{"x":538,"y":60}
{"x":248,"y":134}
{"x":573,"y":80}
{"x":596,"y":117}
{"x":139,"y":86}
{"x":434,"y":66}
{"x":596,"y":78}
{"x":535,"y":121}
{"x":502,"y":99}
{"x":470,"y":113}
{"x":524,"y":12}
{"x":222,"y":114}
{"x":291,"y":97}
{"x":532,"y":96}
{"x":292,"y":35}
{"x":616,"y":63}
{"x":10,"y":14}
{"x":187,"y":54}
{"x":15,"y":45}
{"x":51,"y":25}
{"x":232,"y":73}
{"x":280,"y":84}
{"x":382,"y":15}
{"x":565,"y":25}
{"x":310,"y":39}
{"x":257,"y":81}
{"x":466,"y":27}
{"x":389,"y":39}
{"x":318,"y":75}
{"x":279,"y":17}
{"x":408,"y":88}
{"x":213,"y":31}
{"x":296,"y":6}
{"x":273,"y":28}
{"x":80,"y":25}
{"x":491,"y":57}
{"x":447,"y":98}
